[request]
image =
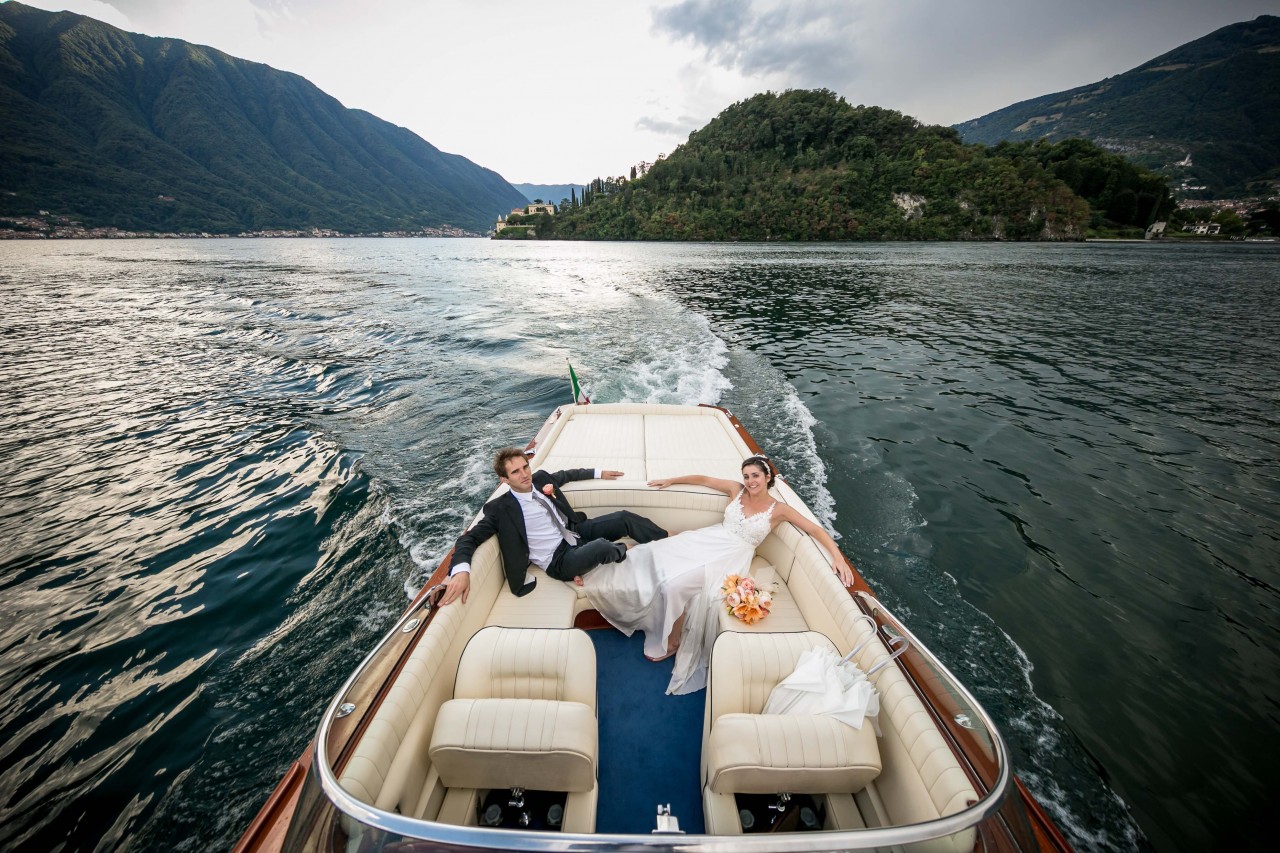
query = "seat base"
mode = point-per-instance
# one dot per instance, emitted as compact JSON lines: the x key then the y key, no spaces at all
{"x":529,"y":743}
{"x":462,"y":805}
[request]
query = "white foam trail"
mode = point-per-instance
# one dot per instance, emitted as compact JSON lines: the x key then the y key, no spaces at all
{"x":821,"y":501}
{"x":1044,"y":722}
{"x":447,"y":506}
{"x":688,"y":371}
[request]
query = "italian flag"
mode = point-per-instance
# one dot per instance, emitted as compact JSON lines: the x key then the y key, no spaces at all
{"x":578,"y":396}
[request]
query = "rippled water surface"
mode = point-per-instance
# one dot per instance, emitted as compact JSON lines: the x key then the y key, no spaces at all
{"x":225,"y":465}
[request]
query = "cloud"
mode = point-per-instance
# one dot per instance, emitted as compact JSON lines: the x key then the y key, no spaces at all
{"x":648,"y":73}
{"x":96,"y":9}
{"x":808,"y":42}
{"x":681,"y":127}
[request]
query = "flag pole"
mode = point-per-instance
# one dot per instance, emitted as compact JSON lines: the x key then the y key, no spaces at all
{"x":579,"y":397}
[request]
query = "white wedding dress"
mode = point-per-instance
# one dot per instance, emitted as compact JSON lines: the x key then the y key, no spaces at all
{"x":683,"y":573}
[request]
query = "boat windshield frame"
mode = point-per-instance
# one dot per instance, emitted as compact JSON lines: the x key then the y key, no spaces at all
{"x":475,"y":837}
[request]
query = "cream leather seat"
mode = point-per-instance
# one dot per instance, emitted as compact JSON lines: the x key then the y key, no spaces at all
{"x":523,"y":715}
{"x":550,"y":605}
{"x":784,"y":615}
{"x":747,"y":752}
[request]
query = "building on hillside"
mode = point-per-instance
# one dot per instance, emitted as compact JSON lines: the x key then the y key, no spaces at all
{"x":527,"y":210}
{"x":1203,"y":228}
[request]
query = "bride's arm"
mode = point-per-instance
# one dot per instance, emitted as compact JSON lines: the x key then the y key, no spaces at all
{"x":729,"y":487}
{"x":838,"y":563}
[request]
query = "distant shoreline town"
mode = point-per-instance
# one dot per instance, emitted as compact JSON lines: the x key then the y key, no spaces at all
{"x":48,"y":227}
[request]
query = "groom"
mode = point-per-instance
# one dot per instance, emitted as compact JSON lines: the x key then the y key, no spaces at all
{"x":535,"y":524}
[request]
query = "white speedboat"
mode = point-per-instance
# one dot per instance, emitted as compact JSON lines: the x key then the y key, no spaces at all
{"x":525,"y":723}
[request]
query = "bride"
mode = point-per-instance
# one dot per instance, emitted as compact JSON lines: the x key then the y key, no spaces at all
{"x":670,"y":588}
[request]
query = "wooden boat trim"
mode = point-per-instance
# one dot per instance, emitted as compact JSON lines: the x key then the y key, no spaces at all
{"x":268,"y":829}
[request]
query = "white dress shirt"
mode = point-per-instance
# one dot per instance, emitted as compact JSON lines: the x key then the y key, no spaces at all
{"x":543,"y":537}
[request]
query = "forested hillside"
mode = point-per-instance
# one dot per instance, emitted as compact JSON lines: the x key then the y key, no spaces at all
{"x":805,"y":165}
{"x":1206,"y":114}
{"x":119,"y":129}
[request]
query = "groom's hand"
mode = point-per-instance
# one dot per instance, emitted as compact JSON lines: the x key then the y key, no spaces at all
{"x":610,"y":475}
{"x":456,"y":587}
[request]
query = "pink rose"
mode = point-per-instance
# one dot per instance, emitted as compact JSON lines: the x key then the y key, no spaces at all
{"x":549,"y":489}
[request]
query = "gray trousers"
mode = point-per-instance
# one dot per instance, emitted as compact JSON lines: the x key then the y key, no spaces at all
{"x":597,"y":546}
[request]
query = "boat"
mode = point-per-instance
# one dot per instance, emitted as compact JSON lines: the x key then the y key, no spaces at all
{"x":497,"y":724}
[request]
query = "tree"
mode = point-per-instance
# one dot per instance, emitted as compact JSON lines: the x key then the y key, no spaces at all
{"x":805,"y":165}
{"x":1232,"y":224}
{"x":1265,"y":221}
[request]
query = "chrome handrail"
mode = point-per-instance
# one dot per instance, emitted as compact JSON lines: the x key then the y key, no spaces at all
{"x":562,"y":842}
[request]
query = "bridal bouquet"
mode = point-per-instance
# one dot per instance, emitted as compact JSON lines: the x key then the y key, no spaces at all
{"x":746,"y":599}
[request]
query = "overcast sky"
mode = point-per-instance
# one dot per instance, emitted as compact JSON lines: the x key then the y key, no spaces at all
{"x":562,"y":91}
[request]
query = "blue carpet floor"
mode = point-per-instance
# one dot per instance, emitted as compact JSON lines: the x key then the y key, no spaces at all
{"x":650,"y":743}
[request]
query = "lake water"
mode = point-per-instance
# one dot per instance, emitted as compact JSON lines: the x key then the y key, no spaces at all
{"x":226,"y":465}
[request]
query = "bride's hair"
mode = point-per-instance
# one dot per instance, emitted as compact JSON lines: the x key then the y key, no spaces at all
{"x":762,"y":462}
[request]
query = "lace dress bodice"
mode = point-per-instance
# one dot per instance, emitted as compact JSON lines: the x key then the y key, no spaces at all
{"x":751,"y":530}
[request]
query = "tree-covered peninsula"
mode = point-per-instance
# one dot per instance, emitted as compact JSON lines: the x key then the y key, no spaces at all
{"x":806,"y":165}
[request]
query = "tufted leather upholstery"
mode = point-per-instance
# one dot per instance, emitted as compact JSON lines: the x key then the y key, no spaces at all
{"x":523,"y":713}
{"x":759,"y":754}
{"x":504,"y":743}
{"x":749,"y":752}
{"x":921,"y":778}
{"x":528,"y":663}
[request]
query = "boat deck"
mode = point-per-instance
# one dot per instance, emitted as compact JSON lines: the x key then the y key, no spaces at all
{"x":646,"y":739}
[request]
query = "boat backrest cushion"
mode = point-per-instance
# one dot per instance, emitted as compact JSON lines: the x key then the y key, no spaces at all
{"x":644,"y":443}
{"x":745,"y":668}
{"x":528,"y":663}
{"x":675,"y":510}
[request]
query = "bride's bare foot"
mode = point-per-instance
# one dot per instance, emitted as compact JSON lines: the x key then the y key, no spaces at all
{"x":673,"y":642}
{"x":577,"y":580}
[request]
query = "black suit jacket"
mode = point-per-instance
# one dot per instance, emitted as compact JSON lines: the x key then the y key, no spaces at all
{"x":503,"y":516}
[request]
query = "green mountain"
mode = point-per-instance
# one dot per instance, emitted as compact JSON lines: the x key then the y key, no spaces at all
{"x":119,"y":129}
{"x":1215,"y":100}
{"x":805,"y":165}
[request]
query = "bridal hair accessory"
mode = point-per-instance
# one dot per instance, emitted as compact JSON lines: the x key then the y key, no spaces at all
{"x":746,"y":599}
{"x":763,"y":461}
